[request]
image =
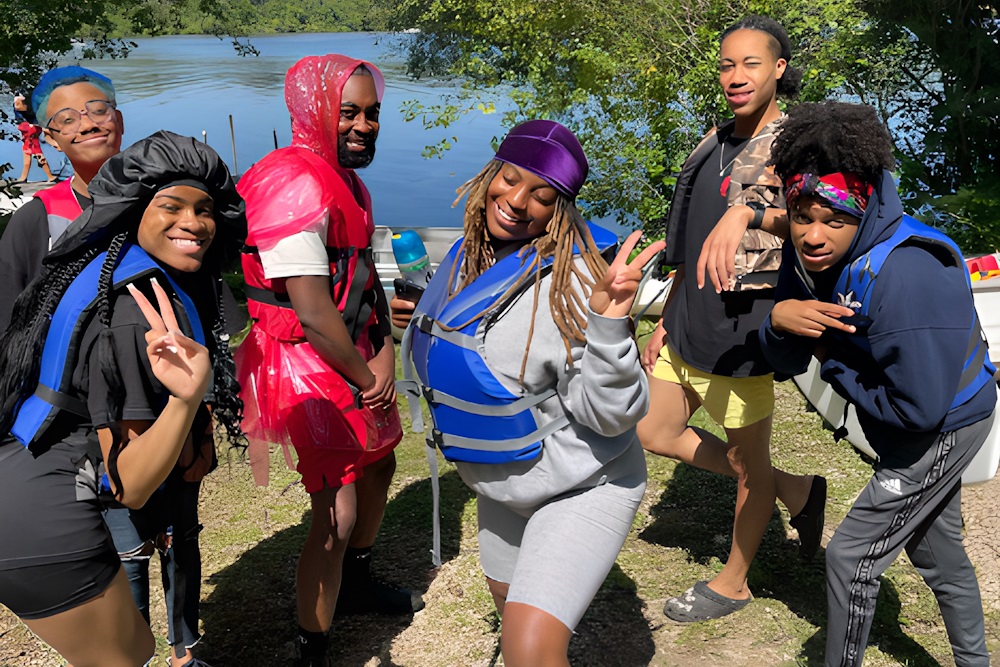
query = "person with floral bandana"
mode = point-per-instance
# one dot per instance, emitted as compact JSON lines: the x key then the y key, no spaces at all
{"x":885,"y":304}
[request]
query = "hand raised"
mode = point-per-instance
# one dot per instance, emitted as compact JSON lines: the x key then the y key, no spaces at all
{"x":182,"y":365}
{"x":614,"y":294}
{"x":810,"y":318}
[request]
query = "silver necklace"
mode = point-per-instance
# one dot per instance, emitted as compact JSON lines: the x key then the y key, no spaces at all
{"x":722,"y":152}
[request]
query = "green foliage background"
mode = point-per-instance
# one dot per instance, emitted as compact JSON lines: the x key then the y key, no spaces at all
{"x":636,"y":80}
{"x":247,"y":17}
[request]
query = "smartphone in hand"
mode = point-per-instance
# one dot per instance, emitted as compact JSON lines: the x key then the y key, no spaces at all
{"x":407,"y":291}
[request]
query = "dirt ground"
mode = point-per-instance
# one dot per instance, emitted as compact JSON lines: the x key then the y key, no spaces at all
{"x":252,"y":536}
{"x":621,"y":628}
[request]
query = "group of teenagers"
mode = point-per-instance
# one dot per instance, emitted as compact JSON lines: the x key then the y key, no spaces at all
{"x":117,"y":371}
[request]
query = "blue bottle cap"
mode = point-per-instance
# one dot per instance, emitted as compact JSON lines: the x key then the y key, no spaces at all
{"x":409,"y":251}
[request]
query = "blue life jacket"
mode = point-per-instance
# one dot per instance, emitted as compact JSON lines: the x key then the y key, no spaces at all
{"x":476,"y":419}
{"x":62,"y":343}
{"x":856,"y":285}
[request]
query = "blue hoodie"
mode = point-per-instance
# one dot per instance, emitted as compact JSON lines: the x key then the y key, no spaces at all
{"x":921,"y":311}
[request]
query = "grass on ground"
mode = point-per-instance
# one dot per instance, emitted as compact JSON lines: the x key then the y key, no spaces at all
{"x":681,"y":535}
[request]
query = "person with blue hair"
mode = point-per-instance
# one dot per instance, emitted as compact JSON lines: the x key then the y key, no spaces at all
{"x":75,"y":108}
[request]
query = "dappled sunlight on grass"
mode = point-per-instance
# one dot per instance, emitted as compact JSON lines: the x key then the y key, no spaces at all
{"x":681,"y":535}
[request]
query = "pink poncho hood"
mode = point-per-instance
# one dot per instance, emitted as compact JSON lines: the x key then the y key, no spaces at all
{"x":313,"y":90}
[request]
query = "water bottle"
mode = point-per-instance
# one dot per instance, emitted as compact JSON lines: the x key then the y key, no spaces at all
{"x":411,"y":258}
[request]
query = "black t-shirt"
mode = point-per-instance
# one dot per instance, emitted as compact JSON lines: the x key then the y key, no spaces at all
{"x":23,"y":246}
{"x":52,"y":495}
{"x":144,"y":396}
{"x":715,"y":333}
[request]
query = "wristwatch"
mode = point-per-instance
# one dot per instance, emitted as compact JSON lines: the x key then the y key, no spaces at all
{"x":758,"y":214}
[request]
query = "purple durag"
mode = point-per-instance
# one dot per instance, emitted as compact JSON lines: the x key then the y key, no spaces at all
{"x":548,"y":150}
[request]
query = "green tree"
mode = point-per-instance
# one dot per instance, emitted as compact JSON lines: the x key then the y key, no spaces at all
{"x":951,"y":75}
{"x":34,"y":33}
{"x":637,"y":81}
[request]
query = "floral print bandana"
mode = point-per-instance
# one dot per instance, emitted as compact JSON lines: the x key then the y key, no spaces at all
{"x":842,"y":191}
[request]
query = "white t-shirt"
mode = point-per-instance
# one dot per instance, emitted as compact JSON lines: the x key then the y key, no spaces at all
{"x":302,"y":254}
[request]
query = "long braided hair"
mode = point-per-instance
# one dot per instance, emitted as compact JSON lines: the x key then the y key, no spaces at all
{"x":22,"y":343}
{"x":120,"y":198}
{"x":565,"y":230}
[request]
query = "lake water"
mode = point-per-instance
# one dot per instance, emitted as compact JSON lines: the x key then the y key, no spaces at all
{"x":190,"y":84}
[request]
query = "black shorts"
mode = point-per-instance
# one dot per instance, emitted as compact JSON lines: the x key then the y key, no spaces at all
{"x":56,"y":551}
{"x":46,"y":590}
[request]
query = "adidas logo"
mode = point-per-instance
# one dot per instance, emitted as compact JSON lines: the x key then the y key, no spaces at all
{"x":892,"y":486}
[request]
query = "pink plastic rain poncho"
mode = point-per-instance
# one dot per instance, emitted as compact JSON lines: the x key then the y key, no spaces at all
{"x":292,"y":396}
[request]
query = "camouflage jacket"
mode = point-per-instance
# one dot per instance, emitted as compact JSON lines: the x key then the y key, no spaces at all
{"x":759,"y":254}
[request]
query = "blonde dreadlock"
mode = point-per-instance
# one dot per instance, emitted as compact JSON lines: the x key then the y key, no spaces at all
{"x":565,"y":230}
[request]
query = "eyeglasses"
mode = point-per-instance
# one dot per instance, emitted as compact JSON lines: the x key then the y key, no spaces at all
{"x":67,"y":121}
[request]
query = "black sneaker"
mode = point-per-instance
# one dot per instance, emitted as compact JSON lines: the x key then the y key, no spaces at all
{"x":372,"y":596}
{"x":192,"y":661}
{"x":312,"y":661}
{"x":809,"y":522}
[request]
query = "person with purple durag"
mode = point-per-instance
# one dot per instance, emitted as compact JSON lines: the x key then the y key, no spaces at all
{"x":522,"y":346}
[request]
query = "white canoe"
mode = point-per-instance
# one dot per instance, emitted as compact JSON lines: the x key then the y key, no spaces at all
{"x":830,"y":405}
{"x":438,"y":240}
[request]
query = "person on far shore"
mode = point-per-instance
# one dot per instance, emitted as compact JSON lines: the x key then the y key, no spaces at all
{"x":31,"y":147}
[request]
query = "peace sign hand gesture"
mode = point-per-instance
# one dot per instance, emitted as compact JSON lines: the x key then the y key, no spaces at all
{"x":182,"y":365}
{"x":614,"y":294}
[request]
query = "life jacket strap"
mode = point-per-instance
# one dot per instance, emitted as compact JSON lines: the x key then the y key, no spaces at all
{"x":430,"y":326}
{"x":332,"y":254}
{"x":503,"y":410}
{"x":360,"y":301}
{"x":977,"y":371}
{"x":265,"y":296}
{"x":410,"y":385}
{"x":436,"y":503}
{"x":442,"y":440}
{"x":62,"y":401}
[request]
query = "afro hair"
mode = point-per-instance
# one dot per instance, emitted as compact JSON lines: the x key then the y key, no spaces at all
{"x":827,"y":137}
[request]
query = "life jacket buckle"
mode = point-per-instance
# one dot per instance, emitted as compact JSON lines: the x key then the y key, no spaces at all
{"x":425,"y":324}
{"x":435,"y":439}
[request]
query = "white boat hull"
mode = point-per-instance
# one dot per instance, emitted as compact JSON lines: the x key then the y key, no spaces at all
{"x":438,"y":240}
{"x":831,"y":406}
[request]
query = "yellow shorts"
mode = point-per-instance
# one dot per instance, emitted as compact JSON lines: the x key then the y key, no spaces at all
{"x":732,"y":402}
